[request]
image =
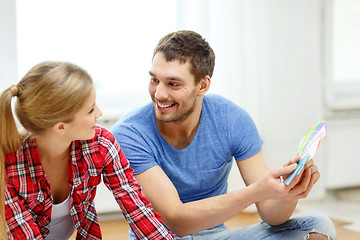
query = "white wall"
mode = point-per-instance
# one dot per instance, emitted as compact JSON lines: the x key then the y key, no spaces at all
{"x":290,"y":77}
{"x":8,"y":59}
{"x":342,"y":153}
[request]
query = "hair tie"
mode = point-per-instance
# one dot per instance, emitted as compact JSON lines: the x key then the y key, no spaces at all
{"x":14,"y":90}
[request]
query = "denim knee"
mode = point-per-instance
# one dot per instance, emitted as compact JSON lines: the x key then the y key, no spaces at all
{"x":323,"y":225}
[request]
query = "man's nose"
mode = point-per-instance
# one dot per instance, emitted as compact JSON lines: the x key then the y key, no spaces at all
{"x":161,"y":92}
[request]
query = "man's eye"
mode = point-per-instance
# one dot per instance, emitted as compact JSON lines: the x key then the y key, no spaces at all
{"x":173,"y":84}
{"x":153,"y":79}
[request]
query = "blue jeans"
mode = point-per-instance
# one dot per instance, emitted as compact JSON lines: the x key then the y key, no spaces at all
{"x":295,"y":228}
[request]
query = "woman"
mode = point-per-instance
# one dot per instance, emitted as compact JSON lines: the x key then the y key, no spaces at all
{"x":52,"y":173}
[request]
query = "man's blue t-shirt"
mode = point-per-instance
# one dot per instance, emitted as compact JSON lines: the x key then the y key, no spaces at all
{"x":200,"y":170}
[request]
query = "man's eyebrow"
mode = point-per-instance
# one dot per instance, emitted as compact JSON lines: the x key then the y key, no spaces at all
{"x":168,"y":78}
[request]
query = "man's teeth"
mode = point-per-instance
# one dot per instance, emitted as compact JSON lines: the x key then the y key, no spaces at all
{"x":164,"y":106}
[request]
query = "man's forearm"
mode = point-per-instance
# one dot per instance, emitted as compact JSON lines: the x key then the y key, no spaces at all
{"x":275,"y":212}
{"x":203,"y":214}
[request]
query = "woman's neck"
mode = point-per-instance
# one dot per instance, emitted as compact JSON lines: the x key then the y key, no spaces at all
{"x":54,"y":157}
{"x":52,"y":147}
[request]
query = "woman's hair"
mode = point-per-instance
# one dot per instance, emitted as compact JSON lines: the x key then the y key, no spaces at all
{"x":2,"y":210}
{"x":188,"y":45}
{"x":49,"y":93}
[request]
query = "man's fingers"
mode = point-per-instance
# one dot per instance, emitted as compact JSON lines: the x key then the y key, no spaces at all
{"x":294,"y":160}
{"x":284,"y":170}
{"x":309,"y":163}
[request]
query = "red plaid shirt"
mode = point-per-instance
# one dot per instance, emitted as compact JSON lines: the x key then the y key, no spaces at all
{"x":28,"y":200}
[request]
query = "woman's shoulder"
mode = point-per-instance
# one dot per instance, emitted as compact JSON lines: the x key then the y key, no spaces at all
{"x":22,"y":153}
{"x":103,"y":137}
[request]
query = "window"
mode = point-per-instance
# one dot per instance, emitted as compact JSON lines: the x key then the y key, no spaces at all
{"x":113,"y":40}
{"x":342,"y":40}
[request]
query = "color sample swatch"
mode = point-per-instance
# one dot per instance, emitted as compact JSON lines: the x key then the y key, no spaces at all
{"x":308,"y":146}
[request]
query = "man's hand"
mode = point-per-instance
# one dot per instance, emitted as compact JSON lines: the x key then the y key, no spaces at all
{"x":271,"y":186}
{"x":305,"y":180}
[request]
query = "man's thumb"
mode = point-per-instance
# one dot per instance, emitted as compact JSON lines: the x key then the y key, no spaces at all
{"x":285,"y":170}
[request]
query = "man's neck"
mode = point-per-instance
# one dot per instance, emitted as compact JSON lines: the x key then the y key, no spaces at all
{"x":179,"y":134}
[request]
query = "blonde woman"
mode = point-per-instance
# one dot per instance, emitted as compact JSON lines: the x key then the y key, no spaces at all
{"x":52,"y":174}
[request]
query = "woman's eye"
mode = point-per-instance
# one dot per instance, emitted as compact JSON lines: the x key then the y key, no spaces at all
{"x":91,"y":111}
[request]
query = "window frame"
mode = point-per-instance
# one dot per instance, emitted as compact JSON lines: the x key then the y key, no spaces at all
{"x":341,"y":98}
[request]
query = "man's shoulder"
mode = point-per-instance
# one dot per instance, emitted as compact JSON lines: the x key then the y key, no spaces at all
{"x":137,"y":119}
{"x":220,"y":105}
{"x":215,"y":98}
{"x":224,"y":112}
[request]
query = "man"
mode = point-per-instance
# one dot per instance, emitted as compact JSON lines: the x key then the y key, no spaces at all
{"x":181,"y":148}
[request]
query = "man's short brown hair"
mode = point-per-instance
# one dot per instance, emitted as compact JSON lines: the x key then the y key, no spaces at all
{"x":188,"y":45}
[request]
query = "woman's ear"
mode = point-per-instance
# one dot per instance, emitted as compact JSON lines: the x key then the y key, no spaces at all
{"x":204,"y":85}
{"x":59,"y":128}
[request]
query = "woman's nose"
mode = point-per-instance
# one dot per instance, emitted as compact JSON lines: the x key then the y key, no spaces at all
{"x":99,"y":113}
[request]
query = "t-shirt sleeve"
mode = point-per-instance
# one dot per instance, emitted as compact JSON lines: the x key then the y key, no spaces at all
{"x":243,"y":135}
{"x":135,"y":147}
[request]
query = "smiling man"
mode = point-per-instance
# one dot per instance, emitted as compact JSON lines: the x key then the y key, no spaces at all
{"x":182,"y":145}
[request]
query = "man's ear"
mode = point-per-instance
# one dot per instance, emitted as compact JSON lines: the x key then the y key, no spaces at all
{"x":59,"y":128}
{"x":204,"y":85}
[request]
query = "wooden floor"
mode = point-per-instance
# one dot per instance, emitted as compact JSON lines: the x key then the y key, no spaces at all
{"x":117,"y":229}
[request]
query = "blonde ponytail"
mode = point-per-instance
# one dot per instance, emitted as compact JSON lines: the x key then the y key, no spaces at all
{"x":3,"y":234}
{"x":10,"y":138}
{"x":10,"y":141}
